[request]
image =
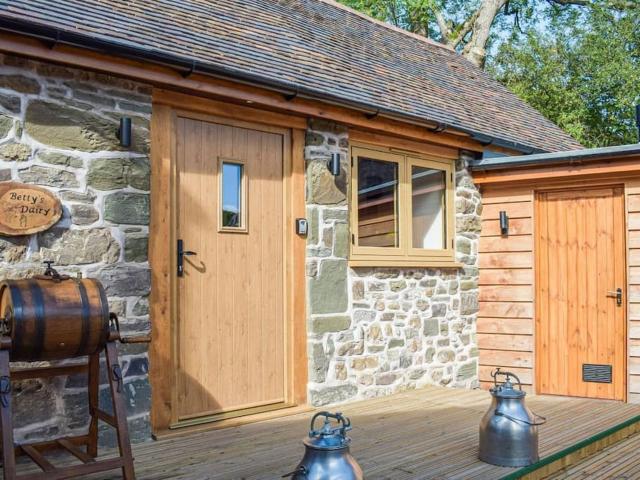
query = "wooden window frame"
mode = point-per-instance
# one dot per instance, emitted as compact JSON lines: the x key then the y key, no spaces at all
{"x":405,"y":254}
{"x":244,"y":196}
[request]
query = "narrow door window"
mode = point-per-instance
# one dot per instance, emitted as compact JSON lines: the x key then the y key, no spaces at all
{"x":233,"y":196}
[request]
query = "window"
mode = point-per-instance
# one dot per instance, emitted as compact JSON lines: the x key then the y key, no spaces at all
{"x":232,"y":196}
{"x":402,"y":209}
{"x":378,"y":203}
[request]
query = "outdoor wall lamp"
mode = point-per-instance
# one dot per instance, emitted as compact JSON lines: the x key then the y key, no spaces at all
{"x":333,"y":164}
{"x":124,"y":132}
{"x":504,"y":223}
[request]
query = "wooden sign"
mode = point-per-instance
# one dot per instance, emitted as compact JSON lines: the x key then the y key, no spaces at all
{"x":26,"y":209}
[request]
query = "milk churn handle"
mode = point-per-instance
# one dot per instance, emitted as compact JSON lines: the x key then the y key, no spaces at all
{"x":515,"y":419}
{"x":301,"y":470}
{"x":498,"y":371}
{"x":346,"y":423}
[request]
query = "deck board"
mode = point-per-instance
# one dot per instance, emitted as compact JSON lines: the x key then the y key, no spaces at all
{"x":620,"y":461}
{"x":429,"y":433}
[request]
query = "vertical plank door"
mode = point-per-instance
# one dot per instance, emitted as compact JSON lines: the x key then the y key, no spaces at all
{"x":580,"y":262}
{"x":231,"y":332}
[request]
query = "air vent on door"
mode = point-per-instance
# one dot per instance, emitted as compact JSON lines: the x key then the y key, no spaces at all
{"x":596,"y":373}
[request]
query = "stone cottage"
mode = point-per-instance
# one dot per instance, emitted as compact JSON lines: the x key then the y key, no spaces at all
{"x":294,"y":222}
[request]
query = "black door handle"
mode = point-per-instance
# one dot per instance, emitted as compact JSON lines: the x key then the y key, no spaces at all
{"x":181,"y":254}
{"x":617,"y":294}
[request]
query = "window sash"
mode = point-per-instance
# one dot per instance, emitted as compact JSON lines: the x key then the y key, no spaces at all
{"x":449,"y":218}
{"x":386,"y":157}
{"x":405,"y":251}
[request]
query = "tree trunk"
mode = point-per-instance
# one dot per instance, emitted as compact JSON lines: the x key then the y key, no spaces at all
{"x":475,"y":50}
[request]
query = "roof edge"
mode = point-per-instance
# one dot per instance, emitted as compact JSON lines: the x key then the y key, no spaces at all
{"x":54,"y":35}
{"x":544,"y":159}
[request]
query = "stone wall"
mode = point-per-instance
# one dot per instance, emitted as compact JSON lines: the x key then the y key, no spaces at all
{"x":377,"y":331}
{"x":57,"y":129}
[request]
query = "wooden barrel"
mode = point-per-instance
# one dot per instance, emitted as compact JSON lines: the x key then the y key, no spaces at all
{"x":48,"y":319}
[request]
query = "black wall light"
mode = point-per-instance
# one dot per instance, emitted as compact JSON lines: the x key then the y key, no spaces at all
{"x":333,"y":164}
{"x":504,"y":223}
{"x":124,"y":132}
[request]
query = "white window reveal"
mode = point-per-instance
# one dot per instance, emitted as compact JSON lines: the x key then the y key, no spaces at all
{"x":233,"y":196}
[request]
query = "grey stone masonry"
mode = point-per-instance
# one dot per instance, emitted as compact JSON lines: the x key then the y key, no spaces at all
{"x":57,"y":130}
{"x":377,"y":331}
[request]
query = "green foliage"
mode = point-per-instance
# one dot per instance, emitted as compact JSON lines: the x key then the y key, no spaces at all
{"x":412,"y":15}
{"x":581,"y":71}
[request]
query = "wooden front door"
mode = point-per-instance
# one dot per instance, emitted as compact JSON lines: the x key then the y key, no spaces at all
{"x":580,"y":317}
{"x":231,"y":349}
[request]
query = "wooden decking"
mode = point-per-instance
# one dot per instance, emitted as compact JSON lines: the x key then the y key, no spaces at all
{"x":423,"y":434}
{"x":619,"y":461}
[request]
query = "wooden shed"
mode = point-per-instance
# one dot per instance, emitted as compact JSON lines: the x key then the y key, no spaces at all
{"x":559,"y":282}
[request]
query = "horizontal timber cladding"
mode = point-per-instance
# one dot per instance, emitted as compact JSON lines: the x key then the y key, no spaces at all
{"x":633,"y":293}
{"x":506,"y":308}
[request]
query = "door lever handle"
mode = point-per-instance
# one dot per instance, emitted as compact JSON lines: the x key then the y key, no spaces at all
{"x":617,"y":294}
{"x":181,"y":254}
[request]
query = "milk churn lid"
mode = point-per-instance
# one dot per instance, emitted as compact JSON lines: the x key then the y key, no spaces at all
{"x":329,"y":437}
{"x":506,"y":389}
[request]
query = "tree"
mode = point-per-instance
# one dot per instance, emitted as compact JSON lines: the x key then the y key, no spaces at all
{"x":467,"y":25}
{"x":582,"y":72}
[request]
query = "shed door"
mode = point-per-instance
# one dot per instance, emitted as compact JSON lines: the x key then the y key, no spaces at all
{"x":231,"y":347}
{"x":580,"y":321}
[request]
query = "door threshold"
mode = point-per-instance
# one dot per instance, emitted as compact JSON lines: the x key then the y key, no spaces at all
{"x":568,"y":397}
{"x":231,"y":422}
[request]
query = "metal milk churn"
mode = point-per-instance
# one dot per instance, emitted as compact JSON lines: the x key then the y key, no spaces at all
{"x":327,"y":454}
{"x":509,"y":430}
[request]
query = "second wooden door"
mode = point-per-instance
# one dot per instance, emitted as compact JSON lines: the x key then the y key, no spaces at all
{"x":580,"y":276}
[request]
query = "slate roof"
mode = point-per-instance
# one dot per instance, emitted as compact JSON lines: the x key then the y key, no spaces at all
{"x":316,"y":46}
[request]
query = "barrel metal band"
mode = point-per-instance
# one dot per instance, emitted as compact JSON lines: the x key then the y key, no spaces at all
{"x":105,"y":313}
{"x":18,"y":313}
{"x":85,"y":314}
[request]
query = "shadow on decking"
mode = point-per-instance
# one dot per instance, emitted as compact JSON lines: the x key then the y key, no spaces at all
{"x":423,"y":434}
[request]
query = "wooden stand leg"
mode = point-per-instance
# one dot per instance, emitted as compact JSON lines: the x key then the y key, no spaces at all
{"x":94,"y":385}
{"x":6,"y":425}
{"x":119,"y":409}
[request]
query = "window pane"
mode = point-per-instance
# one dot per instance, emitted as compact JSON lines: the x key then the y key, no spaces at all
{"x":377,"y":203}
{"x":428,"y":194}
{"x":231,"y":194}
